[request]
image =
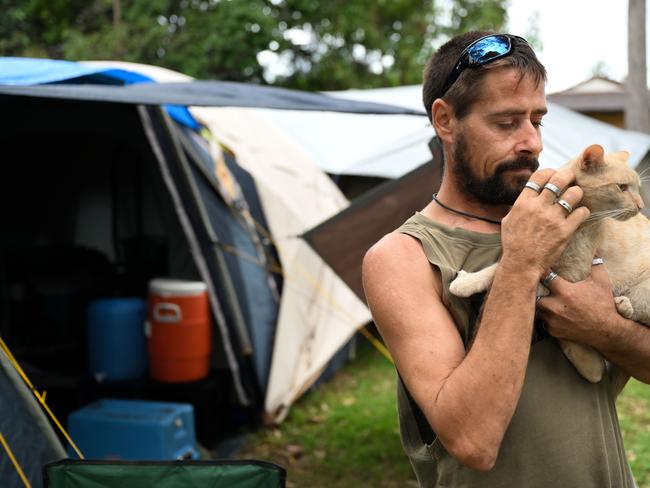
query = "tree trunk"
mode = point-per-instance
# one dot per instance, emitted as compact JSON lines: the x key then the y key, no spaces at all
{"x":637,"y":109}
{"x":116,"y":13}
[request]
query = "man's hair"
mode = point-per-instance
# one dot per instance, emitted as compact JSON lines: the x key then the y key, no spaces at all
{"x":468,"y":87}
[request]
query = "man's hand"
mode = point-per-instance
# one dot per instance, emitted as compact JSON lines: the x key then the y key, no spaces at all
{"x":582,"y":311}
{"x":586,"y":312}
{"x":536,"y":230}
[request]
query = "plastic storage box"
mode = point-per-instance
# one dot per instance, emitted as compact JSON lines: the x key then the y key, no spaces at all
{"x":134,"y":430}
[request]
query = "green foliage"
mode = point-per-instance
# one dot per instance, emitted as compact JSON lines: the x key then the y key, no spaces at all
{"x":332,"y":44}
{"x":634,"y":413}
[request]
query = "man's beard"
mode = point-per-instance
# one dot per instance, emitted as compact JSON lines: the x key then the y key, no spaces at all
{"x":494,"y":189}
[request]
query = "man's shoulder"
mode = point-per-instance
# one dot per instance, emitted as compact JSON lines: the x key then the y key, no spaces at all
{"x":394,"y":246}
{"x":395,"y":254}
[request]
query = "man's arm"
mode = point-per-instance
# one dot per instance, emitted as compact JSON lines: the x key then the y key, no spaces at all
{"x":468,"y":397}
{"x":585,"y":312}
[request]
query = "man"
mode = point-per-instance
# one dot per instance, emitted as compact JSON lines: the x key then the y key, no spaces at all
{"x":488,"y":399}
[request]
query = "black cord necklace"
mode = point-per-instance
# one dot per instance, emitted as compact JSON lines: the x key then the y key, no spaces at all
{"x":464,"y":214}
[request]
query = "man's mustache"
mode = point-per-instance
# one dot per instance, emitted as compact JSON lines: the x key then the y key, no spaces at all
{"x":520,"y":163}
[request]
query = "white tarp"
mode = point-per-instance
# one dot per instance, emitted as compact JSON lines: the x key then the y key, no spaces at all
{"x":318,"y":311}
{"x":390,"y":146}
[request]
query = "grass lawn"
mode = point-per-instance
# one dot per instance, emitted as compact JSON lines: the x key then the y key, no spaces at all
{"x":344,"y":434}
{"x":634,"y":412}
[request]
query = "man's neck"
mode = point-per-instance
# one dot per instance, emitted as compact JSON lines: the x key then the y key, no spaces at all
{"x":454,"y":203}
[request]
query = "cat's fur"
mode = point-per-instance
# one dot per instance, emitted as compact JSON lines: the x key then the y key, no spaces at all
{"x":616,"y":229}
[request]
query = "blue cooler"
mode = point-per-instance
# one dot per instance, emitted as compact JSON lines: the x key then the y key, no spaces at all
{"x":134,"y":430}
{"x":116,"y":341}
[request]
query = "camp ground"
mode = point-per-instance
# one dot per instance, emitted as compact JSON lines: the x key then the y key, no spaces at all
{"x":110,"y":184}
{"x":112,"y":180}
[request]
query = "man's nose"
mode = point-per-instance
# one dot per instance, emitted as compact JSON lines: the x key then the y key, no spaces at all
{"x":530,"y":140}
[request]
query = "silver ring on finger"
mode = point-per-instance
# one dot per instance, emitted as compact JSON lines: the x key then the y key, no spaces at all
{"x":549,"y":278}
{"x":554,"y":189}
{"x":533,"y":186}
{"x":597,"y":261}
{"x":565,"y":205}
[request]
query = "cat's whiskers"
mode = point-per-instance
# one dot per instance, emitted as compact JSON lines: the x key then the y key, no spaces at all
{"x":603,"y":214}
{"x":645,"y":170}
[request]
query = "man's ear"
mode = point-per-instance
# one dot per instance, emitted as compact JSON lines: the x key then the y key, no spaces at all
{"x":442,"y":119}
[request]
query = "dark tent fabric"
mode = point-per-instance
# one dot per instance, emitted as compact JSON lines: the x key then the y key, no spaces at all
{"x":257,"y":212}
{"x":210,"y":257}
{"x":205,"y":93}
{"x":87,"y":173}
{"x":255,"y":299}
{"x":33,"y":443}
{"x":343,"y":240}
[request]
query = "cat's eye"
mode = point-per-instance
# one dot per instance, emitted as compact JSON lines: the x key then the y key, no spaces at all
{"x":623,"y":186}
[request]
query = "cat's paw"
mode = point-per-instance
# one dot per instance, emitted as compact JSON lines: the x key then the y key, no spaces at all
{"x":464,"y":285}
{"x":624,"y":306}
{"x":589,"y":363}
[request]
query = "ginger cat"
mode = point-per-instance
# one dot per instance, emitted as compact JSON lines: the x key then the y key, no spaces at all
{"x":616,"y":229}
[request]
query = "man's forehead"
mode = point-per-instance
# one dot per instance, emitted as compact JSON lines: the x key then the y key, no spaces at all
{"x":511,"y":91}
{"x":512,"y":79}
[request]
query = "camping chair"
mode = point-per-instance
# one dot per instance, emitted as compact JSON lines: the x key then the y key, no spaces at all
{"x":77,"y":473}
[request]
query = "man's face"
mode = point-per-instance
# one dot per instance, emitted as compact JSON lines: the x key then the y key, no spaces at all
{"x":497,"y":144}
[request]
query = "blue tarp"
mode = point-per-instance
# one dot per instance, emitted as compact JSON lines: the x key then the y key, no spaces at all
{"x":34,"y":71}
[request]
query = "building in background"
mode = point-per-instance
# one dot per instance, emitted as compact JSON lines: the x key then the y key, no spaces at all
{"x":598,"y":97}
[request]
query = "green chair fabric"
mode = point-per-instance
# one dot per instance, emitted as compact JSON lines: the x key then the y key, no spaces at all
{"x":77,"y":473}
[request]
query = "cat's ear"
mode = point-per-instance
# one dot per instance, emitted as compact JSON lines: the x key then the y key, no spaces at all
{"x":592,"y":157}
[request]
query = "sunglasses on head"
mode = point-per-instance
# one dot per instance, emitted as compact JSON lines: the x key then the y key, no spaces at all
{"x":482,"y":51}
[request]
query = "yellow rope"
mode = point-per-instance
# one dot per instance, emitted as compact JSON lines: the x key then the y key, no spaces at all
{"x":378,"y":345}
{"x":14,"y":461}
{"x":40,"y":397}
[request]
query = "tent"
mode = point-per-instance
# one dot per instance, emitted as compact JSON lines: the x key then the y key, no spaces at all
{"x":24,"y":427}
{"x":108,"y":183}
{"x":316,"y":309}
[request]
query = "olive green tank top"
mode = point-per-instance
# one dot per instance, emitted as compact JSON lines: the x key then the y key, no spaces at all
{"x":564,"y":432}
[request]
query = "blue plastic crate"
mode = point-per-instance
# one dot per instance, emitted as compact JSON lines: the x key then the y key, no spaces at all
{"x":134,"y":430}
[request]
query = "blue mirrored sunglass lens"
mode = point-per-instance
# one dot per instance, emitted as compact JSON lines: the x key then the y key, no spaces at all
{"x":488,"y":48}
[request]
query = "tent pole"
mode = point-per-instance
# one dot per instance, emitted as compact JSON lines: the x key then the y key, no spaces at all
{"x":195,"y":247}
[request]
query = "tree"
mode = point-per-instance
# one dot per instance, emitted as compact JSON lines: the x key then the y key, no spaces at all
{"x":373,"y":42}
{"x":318,"y":45}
